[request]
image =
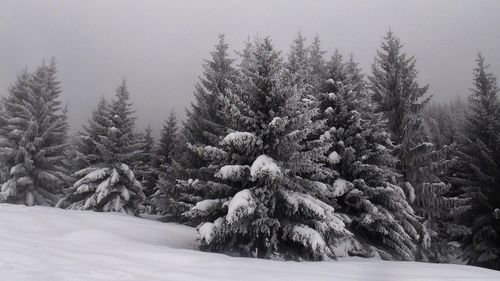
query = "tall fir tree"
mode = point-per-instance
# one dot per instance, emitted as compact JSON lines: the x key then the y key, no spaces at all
{"x":3,"y":167}
{"x":33,"y":133}
{"x":109,"y":183}
{"x":165,"y":199}
{"x":297,"y":64}
{"x":167,"y":144}
{"x":365,"y":180}
{"x":145,"y":171}
{"x":263,"y":201}
{"x":317,"y":64}
{"x":447,"y":121}
{"x":398,"y":95}
{"x":335,"y":68}
{"x":205,"y":125}
{"x":87,"y":152}
{"x":476,"y":176}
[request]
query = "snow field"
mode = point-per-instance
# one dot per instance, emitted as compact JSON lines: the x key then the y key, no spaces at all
{"x":42,"y":243}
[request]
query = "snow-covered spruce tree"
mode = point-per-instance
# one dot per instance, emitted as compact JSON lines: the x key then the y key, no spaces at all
{"x":317,"y":64}
{"x":476,"y":176}
{"x":401,"y":99}
{"x":87,"y":153}
{"x":395,"y":88}
{"x":344,"y":73}
{"x":447,"y":121}
{"x":33,"y":133}
{"x":297,"y":64}
{"x":205,"y":126}
{"x":335,"y":68}
{"x":263,"y":202}
{"x":3,"y":167}
{"x":145,"y":171}
{"x":306,"y":66}
{"x":365,"y":183}
{"x":109,"y":183}
{"x":168,"y":170}
{"x":167,"y":144}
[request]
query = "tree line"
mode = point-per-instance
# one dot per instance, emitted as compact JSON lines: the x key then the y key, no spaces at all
{"x":291,"y":157}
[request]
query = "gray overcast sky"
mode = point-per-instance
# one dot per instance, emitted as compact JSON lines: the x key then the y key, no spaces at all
{"x":159,"y":45}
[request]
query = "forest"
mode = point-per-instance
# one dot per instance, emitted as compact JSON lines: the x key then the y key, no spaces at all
{"x":284,"y":155}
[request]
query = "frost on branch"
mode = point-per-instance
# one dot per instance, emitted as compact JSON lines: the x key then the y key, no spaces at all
{"x":233,"y":172}
{"x":241,"y":141}
{"x":204,"y":208}
{"x":207,"y":230}
{"x":241,"y":205}
{"x":265,"y":167}
{"x":310,"y":238}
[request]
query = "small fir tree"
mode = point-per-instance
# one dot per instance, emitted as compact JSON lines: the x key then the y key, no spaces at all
{"x":317,"y":65}
{"x":146,"y":173}
{"x":166,"y":199}
{"x":109,"y":183}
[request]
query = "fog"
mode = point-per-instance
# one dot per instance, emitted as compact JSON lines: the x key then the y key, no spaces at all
{"x":159,"y":46}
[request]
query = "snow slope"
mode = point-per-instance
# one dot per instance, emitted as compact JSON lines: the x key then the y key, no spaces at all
{"x":41,"y":243}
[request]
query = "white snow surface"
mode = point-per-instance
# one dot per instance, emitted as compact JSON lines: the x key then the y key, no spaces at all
{"x":43,"y":243}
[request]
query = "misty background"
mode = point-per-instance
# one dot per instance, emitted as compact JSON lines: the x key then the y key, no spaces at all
{"x":159,"y":46}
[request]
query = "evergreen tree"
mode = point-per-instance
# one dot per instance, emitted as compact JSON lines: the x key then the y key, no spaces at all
{"x":165,"y":198}
{"x":306,"y":66}
{"x":126,"y":147}
{"x":205,"y":125}
{"x":344,"y":73}
{"x":3,"y":168}
{"x":166,"y":148}
{"x":477,"y":174}
{"x":354,"y":77}
{"x":33,"y":133}
{"x":335,"y":69}
{"x":109,"y":183}
{"x":144,"y":163}
{"x":395,"y":87}
{"x":401,"y":99}
{"x":298,"y":62}
{"x":87,"y":152}
{"x":317,"y":64}
{"x":263,"y":201}
{"x":447,"y":121}
{"x":365,"y":181}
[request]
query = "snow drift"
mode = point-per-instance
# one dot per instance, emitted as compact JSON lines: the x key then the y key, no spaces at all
{"x":41,"y":243}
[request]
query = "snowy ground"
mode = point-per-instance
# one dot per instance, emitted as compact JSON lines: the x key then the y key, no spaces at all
{"x":40,"y":243}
